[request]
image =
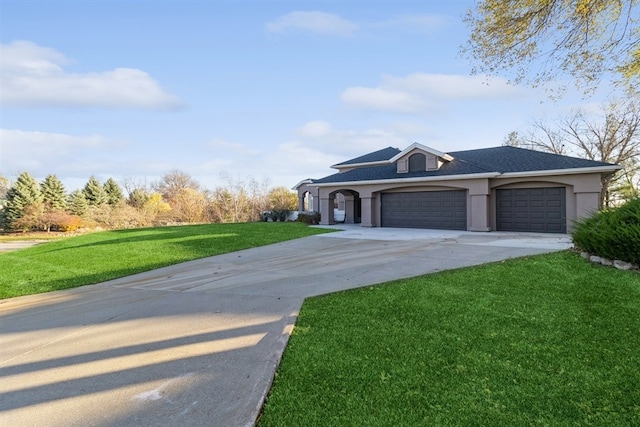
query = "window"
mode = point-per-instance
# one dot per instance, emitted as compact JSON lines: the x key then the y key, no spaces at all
{"x":417,"y":162}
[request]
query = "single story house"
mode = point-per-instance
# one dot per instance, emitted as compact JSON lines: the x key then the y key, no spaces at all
{"x":500,"y":188}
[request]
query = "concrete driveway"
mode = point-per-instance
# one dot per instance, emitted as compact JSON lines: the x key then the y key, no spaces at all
{"x":197,"y":344}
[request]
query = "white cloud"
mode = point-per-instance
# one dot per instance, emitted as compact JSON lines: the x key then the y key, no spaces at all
{"x":421,"y":92}
{"x":383,"y":99}
{"x":342,"y":143}
{"x":311,"y":155}
{"x":313,"y":22}
{"x":33,"y":75}
{"x":44,"y":153}
{"x":315,"y":129}
{"x":313,"y":148}
{"x":453,"y":86}
{"x":334,"y":25}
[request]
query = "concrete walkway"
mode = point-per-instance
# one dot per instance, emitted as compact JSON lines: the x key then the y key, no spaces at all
{"x":197,"y":344}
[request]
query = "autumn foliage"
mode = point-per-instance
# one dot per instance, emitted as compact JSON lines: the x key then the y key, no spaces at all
{"x":176,"y":199}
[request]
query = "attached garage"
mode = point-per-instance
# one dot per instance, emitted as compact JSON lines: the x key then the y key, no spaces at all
{"x":446,"y":210}
{"x":484,"y":189}
{"x":540,"y":210}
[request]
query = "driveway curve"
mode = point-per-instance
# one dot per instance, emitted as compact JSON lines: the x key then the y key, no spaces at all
{"x":198,"y":343}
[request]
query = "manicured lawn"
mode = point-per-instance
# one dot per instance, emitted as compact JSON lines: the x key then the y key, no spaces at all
{"x":546,"y":340}
{"x":96,"y":257}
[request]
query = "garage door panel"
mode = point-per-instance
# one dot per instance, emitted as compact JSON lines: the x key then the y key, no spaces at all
{"x":425,"y":209}
{"x":531,"y":209}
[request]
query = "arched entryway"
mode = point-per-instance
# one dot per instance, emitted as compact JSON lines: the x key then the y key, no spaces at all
{"x":347,"y":206}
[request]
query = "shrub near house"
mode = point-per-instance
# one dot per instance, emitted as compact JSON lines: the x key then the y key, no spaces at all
{"x":612,"y":234}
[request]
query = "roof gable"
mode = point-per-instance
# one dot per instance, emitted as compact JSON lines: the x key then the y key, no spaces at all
{"x":419,"y":147}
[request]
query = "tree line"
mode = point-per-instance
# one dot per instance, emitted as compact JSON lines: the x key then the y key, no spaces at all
{"x":176,"y":199}
{"x":613,"y":137}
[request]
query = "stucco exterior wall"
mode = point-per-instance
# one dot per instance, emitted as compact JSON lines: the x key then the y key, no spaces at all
{"x":581,"y":190}
{"x":313,"y":191}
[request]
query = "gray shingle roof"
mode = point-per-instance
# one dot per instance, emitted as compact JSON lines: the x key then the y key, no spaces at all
{"x":376,"y":156}
{"x":513,"y":159}
{"x":497,"y":159}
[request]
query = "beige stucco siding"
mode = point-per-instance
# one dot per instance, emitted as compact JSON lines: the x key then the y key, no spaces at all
{"x":581,"y":192}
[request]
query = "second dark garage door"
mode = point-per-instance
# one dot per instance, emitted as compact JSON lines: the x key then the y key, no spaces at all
{"x":445,"y":210}
{"x":541,"y":210}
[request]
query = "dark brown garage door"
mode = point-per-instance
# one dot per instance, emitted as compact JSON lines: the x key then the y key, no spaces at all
{"x":425,"y":209}
{"x":540,"y":210}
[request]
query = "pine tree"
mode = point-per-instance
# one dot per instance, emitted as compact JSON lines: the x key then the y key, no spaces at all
{"x":113,"y":192}
{"x":23,"y":194}
{"x":94,"y":192}
{"x":53,"y":193}
{"x":138,"y":197}
{"x":77,"y":203}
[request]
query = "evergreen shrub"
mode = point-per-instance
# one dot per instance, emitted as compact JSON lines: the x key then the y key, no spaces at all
{"x":612,"y":233}
{"x":312,"y":218}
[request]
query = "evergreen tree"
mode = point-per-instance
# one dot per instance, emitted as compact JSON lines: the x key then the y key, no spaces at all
{"x":138,"y":197}
{"x":77,"y":203}
{"x":54,"y":194}
{"x":94,"y":192}
{"x":113,"y":191}
{"x":23,"y":194}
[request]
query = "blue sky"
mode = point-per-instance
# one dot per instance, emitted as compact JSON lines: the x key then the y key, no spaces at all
{"x":275,"y":90}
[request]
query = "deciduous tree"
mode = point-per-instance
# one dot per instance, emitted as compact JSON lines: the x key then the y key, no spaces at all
{"x":189,"y":206}
{"x":613,"y":137}
{"x":539,"y":40}
{"x":282,"y":199}
{"x":154,"y":208}
{"x":4,"y":187}
{"x":173,"y":183}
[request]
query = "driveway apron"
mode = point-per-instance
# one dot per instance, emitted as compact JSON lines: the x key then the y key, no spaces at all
{"x":198,"y":343}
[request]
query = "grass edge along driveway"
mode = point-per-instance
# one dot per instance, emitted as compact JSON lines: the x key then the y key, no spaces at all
{"x":548,"y":339}
{"x":98,"y":257}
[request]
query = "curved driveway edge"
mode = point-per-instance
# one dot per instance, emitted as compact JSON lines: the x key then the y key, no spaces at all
{"x":198,"y":343}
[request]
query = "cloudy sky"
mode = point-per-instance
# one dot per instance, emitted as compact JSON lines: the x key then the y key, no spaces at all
{"x":276,"y":90}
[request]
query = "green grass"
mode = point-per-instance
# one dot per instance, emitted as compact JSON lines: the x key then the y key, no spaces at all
{"x":546,"y":340}
{"x":96,"y":257}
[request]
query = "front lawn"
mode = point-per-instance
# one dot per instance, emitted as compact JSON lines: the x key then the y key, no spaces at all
{"x":96,"y":257}
{"x":546,"y":340}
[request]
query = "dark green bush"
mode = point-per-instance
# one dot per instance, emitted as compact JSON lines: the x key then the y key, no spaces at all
{"x":612,"y":234}
{"x":312,"y":218}
{"x":279,"y":215}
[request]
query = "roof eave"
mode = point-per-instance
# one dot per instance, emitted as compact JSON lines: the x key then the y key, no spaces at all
{"x":572,"y":171}
{"x":357,"y":165}
{"x":304,"y":181}
{"x":409,"y":180}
